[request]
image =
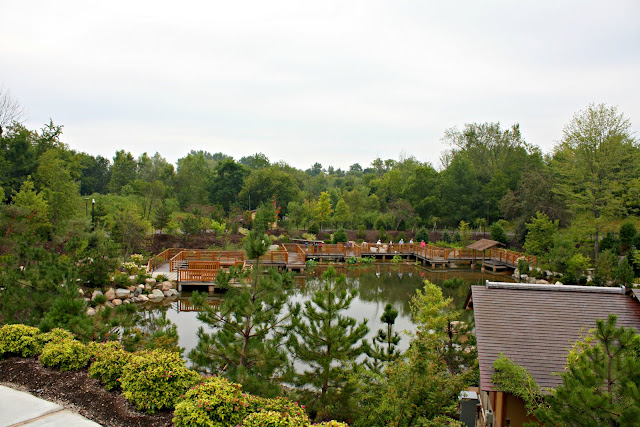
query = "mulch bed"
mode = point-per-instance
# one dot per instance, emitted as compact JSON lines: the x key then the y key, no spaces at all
{"x":77,"y":392}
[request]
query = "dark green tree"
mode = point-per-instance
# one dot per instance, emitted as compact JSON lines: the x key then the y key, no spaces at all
{"x":601,"y":384}
{"x":498,"y":234}
{"x":595,"y":160}
{"x":325,"y":341}
{"x":123,"y":171}
{"x":227,"y":182}
{"x":250,"y":326}
{"x":384,"y":347}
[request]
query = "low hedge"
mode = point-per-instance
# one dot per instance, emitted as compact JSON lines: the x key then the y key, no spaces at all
{"x":19,"y":340}
{"x":66,"y":354}
{"x":154,"y":380}
{"x":216,"y":402}
{"x":109,"y":360}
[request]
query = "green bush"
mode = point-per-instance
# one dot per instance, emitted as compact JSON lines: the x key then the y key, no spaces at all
{"x":272,"y":419}
{"x":154,"y":380}
{"x":332,"y":424}
{"x":498,"y":234}
{"x":340,"y":236}
{"x":216,"y":402}
{"x":523,"y":266}
{"x":55,"y":334}
{"x":109,"y":362}
{"x":402,"y":237}
{"x":291,"y":414}
{"x":314,"y":228}
{"x":421,"y":235}
{"x":66,"y":354}
{"x":362,"y":232}
{"x":19,"y":340}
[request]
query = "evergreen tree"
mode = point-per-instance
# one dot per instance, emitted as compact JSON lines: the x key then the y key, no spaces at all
{"x":384,"y":346}
{"x":601,"y":384}
{"x":250,"y":325}
{"x":540,"y":233}
{"x":325,"y":340}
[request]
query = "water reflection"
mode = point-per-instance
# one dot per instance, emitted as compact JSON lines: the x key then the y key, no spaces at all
{"x":378,"y":284}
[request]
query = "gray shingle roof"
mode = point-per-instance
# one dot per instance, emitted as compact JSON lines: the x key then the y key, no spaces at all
{"x":536,"y":325}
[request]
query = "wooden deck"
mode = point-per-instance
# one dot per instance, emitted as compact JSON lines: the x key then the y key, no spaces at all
{"x":200,"y":267}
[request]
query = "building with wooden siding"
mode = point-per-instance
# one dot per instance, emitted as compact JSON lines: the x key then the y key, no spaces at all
{"x":536,"y":326}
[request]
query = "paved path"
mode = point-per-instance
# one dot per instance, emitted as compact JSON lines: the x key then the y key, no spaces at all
{"x":18,"y":408}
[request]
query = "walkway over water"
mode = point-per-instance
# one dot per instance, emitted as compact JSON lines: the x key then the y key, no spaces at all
{"x":200,"y":266}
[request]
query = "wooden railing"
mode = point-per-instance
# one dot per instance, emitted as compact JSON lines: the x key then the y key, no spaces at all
{"x":201,"y":260}
{"x":203,"y":265}
{"x":187,"y":305}
{"x":197,"y":275}
{"x":162,"y":257}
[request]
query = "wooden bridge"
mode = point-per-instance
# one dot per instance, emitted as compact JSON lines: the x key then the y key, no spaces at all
{"x":200,"y":267}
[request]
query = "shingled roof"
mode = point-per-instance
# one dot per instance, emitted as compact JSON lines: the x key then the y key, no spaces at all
{"x":484,"y":244}
{"x":536,"y":325}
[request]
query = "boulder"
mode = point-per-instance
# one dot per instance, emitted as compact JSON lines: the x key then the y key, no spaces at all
{"x":150,"y":282}
{"x":132,"y":288}
{"x":559,"y":283}
{"x":91,"y":311}
{"x":127,"y":301}
{"x":116,"y":302}
{"x":80,"y":292}
{"x":95,"y":294}
{"x":166,"y":286}
{"x":110,"y":295}
{"x":542,"y":282}
{"x":156,"y":295}
{"x":137,"y":291}
{"x":143,"y":298}
{"x":147,"y":287}
{"x":109,"y":304}
{"x":170,"y":293}
{"x":122,"y":293}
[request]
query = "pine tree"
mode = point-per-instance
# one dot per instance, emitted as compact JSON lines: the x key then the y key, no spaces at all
{"x":247,"y":344}
{"x":325,"y":340}
{"x":601,"y":384}
{"x":384,"y":346}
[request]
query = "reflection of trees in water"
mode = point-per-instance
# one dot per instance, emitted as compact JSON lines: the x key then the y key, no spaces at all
{"x":396,"y":284}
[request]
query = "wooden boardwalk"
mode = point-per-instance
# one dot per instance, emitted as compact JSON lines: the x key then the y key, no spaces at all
{"x":200,"y":267}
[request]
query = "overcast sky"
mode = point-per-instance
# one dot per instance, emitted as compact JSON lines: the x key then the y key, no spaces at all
{"x":304,"y":82}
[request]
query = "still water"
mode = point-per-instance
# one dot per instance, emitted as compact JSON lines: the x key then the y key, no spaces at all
{"x":377,"y":285}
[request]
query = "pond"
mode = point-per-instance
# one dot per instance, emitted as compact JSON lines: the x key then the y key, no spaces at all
{"x":377,"y":284}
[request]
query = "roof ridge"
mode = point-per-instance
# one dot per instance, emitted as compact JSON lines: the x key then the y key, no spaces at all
{"x":558,"y":288}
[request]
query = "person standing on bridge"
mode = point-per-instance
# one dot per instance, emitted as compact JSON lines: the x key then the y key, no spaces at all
{"x":423,"y":244}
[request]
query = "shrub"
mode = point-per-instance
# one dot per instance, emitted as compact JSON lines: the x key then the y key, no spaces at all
{"x":332,"y":424}
{"x":292,"y":414}
{"x":340,"y":236}
{"x":362,"y":232}
{"x":421,"y":235}
{"x":272,"y":419}
{"x":454,"y":282}
{"x":154,"y":380}
{"x":401,"y":236}
{"x":109,"y":362}
{"x":314,"y":228}
{"x":121,"y":280}
{"x":216,"y":402}
{"x":161,"y":278}
{"x":382,"y":234}
{"x":19,"y":340}
{"x":523,"y":266}
{"x":380,"y":223}
{"x":446,"y":237}
{"x":498,"y":234}
{"x":55,"y":334}
{"x":66,"y":354}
